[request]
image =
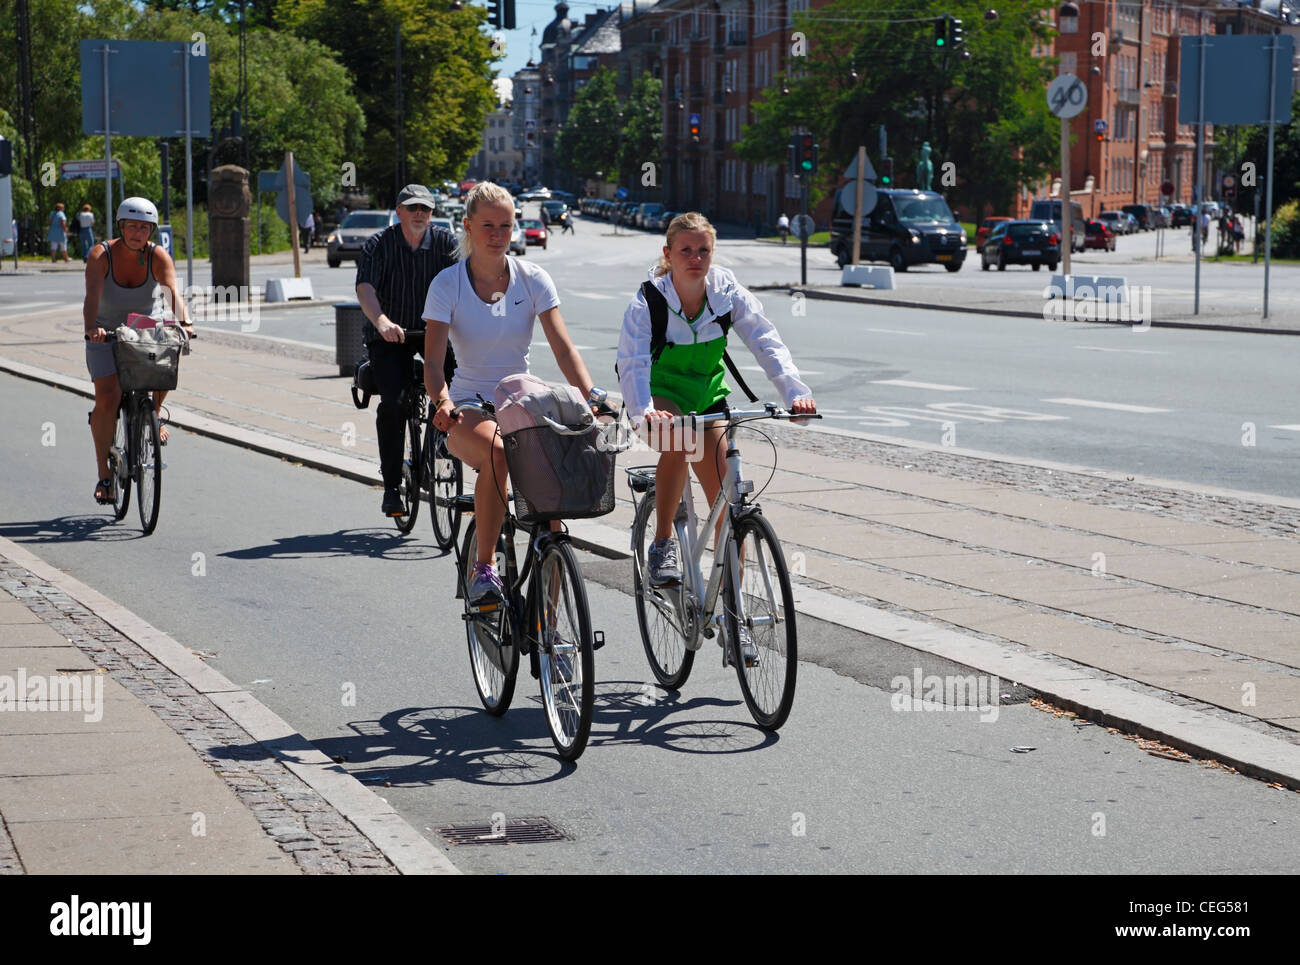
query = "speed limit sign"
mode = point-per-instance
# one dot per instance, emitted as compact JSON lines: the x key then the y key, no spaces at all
{"x":1067,"y":96}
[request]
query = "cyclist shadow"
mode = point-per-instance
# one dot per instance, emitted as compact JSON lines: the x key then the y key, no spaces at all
{"x":70,"y":529}
{"x":423,"y":746}
{"x":638,"y":712}
{"x":386,"y":544}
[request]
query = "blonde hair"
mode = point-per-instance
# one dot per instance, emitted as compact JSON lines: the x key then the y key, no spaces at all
{"x":690,"y":221}
{"x":485,"y":192}
{"x":85,"y":207}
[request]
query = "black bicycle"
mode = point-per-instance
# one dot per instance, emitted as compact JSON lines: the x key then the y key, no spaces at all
{"x":414,"y":401}
{"x":444,"y":480}
{"x":545,"y":617}
{"x":136,"y":455}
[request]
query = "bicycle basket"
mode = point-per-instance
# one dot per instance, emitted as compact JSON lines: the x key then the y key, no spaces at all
{"x":148,"y":360}
{"x":559,"y":476}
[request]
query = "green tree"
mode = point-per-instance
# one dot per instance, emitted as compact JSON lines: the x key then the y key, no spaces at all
{"x":642,"y":130}
{"x":869,"y":65}
{"x":1236,"y":147}
{"x":588,"y":143}
{"x":446,"y":80}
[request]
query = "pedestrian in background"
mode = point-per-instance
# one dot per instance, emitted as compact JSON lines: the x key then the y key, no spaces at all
{"x":57,"y":236}
{"x":308,"y":230}
{"x":783,"y":226}
{"x":85,"y":231}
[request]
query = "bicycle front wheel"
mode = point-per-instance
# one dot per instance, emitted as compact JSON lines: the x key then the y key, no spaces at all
{"x":764,"y":610}
{"x":148,"y":464}
{"x":565,"y":658}
{"x":410,"y":484}
{"x":444,"y":481}
{"x":119,"y":463}
{"x":493,"y":655}
{"x":659,"y":612}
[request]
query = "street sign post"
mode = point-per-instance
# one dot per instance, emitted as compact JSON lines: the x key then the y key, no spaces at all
{"x":1067,"y":96}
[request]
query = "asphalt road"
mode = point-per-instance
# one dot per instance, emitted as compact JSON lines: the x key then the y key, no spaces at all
{"x":290,"y":583}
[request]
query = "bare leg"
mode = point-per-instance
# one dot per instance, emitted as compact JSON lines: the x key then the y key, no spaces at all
{"x":103,"y":420}
{"x":475,"y":442}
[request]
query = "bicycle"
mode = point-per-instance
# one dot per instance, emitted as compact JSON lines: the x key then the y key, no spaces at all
{"x":444,"y":481}
{"x":749,"y":574}
{"x":414,"y":401}
{"x":545,"y":617}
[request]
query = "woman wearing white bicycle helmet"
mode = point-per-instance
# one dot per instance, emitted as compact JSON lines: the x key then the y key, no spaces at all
{"x":121,"y":278}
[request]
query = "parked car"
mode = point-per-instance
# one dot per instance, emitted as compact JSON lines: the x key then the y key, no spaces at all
{"x":1034,"y":243}
{"x":1099,"y":235}
{"x":454,"y":227}
{"x":1180,"y":216}
{"x":905,"y":228}
{"x":1133,"y":226}
{"x":1141,"y":214}
{"x":536,"y":193}
{"x":568,"y":197}
{"x":345,"y":242}
{"x":982,"y":232}
{"x":534,"y":232}
{"x":1160,"y":216}
{"x":518,"y":244}
{"x":1117,"y":221}
{"x":647,"y":214}
{"x":1046,"y":210}
{"x":665,"y":219}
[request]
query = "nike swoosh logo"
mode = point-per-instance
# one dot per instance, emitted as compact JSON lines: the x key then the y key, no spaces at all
{"x":520,"y":302}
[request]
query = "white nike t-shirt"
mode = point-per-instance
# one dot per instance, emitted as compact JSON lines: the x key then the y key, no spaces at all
{"x":491,"y":340}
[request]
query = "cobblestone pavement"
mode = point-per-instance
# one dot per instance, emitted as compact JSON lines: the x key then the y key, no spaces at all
{"x":301,"y":822}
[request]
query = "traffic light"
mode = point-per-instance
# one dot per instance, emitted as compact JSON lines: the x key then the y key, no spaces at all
{"x":955,"y":38}
{"x":941,"y":32}
{"x":807,"y":156}
{"x":494,"y":13}
{"x":508,"y":14}
{"x":887,"y":172}
{"x":1101,"y":137}
{"x":6,"y":158}
{"x":695,"y":130}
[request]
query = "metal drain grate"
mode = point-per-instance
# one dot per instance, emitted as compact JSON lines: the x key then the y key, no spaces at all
{"x":516,"y":831}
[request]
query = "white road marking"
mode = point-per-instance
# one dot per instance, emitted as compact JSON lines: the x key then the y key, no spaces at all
{"x":933,"y":386}
{"x":1135,"y":351}
{"x":26,"y":305}
{"x":1292,"y":428}
{"x":599,"y":295}
{"x":758,"y":368}
{"x":894,"y":331}
{"x":1117,"y":406}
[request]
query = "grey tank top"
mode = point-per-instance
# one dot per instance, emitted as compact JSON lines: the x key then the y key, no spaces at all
{"x":117,"y":301}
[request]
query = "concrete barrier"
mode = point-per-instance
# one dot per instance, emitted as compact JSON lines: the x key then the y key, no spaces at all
{"x":869,"y":276}
{"x":288,"y":289}
{"x":1107,"y":288}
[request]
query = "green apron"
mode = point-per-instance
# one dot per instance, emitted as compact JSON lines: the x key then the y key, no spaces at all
{"x":691,"y":375}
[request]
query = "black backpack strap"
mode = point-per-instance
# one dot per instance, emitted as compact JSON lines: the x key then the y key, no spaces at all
{"x":658,"y":306}
{"x":724,"y":321}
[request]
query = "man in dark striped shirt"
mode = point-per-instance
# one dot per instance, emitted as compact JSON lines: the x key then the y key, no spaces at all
{"x":393,"y":276}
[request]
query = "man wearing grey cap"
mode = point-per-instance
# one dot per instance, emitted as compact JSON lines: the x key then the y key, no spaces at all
{"x":393,"y":276}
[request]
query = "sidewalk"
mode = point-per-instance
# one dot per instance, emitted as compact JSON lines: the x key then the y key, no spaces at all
{"x":1165,"y":609}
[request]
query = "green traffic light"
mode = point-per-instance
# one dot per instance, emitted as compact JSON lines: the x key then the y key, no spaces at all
{"x":939,"y":41}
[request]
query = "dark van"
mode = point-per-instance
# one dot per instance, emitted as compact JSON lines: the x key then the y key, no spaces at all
{"x":1141,"y":214}
{"x":905,"y":228}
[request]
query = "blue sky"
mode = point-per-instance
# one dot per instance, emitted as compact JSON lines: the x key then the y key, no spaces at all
{"x":521,"y":44}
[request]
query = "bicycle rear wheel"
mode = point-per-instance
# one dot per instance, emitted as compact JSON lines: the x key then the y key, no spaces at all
{"x":493,"y":655}
{"x":565,"y":657}
{"x":444,"y":480}
{"x":119,"y":463}
{"x":764,"y":607}
{"x":659,"y":611}
{"x":148,"y":464}
{"x":410,"y":484}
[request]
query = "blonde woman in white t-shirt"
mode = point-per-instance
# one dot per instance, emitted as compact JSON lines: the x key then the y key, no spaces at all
{"x":487,"y":304}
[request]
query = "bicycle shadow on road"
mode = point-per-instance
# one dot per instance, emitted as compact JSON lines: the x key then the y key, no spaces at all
{"x":70,"y":529}
{"x":423,"y":746}
{"x":386,"y":544}
{"x":645,"y":713}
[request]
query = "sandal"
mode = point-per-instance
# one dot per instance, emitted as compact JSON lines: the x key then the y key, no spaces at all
{"x":104,"y":486}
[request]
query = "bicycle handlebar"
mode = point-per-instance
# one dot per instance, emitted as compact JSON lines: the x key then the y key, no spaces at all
{"x":769,"y":411}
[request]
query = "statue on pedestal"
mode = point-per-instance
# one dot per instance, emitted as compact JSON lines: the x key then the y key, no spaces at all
{"x":924,"y":170}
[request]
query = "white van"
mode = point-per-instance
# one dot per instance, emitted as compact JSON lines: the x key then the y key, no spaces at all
{"x":1051,"y":211}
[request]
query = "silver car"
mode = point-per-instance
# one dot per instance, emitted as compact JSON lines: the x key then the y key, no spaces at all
{"x":345,"y":241}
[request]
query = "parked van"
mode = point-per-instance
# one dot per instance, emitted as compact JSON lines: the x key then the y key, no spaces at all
{"x":906,"y":227}
{"x":1051,"y":211}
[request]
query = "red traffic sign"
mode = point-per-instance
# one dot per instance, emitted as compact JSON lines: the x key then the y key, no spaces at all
{"x":1167,"y":188}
